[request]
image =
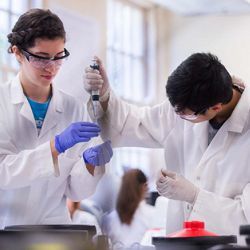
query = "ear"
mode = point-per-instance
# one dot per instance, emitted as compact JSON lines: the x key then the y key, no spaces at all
{"x":18,"y":54}
{"x":217,"y":107}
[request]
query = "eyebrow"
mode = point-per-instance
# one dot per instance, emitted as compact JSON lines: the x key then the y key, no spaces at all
{"x":45,"y":54}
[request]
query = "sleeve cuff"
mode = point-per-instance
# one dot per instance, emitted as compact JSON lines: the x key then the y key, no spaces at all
{"x":46,"y":168}
{"x":201,"y":199}
{"x":117,"y":113}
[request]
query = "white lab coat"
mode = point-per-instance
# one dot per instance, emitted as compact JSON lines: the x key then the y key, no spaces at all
{"x":30,"y":190}
{"x":221,"y":170}
{"x":81,"y":217}
{"x":127,"y":235}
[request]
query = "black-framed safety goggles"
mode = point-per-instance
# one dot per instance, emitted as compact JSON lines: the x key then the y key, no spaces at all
{"x":43,"y":62}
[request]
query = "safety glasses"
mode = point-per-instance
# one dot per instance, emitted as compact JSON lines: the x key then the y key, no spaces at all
{"x":192,"y":117}
{"x":41,"y":62}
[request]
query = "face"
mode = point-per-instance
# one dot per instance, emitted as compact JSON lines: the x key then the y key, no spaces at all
{"x":38,"y":71}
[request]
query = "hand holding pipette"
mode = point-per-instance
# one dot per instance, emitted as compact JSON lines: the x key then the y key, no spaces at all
{"x":97,"y":84}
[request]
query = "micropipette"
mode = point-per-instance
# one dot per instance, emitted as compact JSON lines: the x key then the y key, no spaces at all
{"x":95,"y":93}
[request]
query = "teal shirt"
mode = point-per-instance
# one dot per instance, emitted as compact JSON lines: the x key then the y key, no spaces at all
{"x":39,"y":111}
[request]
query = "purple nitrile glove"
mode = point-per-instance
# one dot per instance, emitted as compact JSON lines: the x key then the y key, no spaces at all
{"x":75,"y":133}
{"x":98,"y":155}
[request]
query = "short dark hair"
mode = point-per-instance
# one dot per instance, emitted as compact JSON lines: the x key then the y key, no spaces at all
{"x":33,"y":24}
{"x":199,"y":82}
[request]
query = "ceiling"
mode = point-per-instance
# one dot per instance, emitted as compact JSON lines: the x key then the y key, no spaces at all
{"x":201,"y":7}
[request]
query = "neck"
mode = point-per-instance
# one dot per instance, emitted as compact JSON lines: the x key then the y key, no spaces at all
{"x":35,"y":92}
{"x":228,"y":108}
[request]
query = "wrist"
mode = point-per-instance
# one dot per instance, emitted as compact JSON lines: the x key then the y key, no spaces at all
{"x":105,"y":96}
{"x":57,"y":145}
{"x":195,"y":195}
{"x":85,"y":159}
{"x":53,"y":148}
{"x":90,"y":168}
{"x":54,"y":154}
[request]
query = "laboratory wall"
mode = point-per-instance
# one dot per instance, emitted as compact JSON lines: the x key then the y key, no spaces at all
{"x":85,"y":25}
{"x":94,"y":10}
{"x":227,"y":36}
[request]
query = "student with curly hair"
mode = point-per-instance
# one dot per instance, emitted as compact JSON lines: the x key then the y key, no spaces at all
{"x":40,"y":163}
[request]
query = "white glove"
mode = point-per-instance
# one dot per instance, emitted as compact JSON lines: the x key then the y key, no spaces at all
{"x":176,"y":187}
{"x":97,"y":80}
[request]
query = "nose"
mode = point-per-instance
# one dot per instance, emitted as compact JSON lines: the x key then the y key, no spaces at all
{"x":50,"y":67}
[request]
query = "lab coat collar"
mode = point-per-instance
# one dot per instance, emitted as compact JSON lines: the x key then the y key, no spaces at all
{"x":16,"y":93}
{"x":236,"y":122}
{"x":18,"y":96}
{"x":53,"y":113}
{"x":200,"y":130}
{"x":57,"y":100}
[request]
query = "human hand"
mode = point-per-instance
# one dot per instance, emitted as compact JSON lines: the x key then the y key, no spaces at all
{"x":97,"y":80}
{"x":75,"y":133}
{"x":176,"y":187}
{"x":98,"y":155}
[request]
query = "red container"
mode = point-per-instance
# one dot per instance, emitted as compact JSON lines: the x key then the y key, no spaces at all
{"x":192,"y":229}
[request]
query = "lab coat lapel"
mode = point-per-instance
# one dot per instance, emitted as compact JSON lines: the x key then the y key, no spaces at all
{"x":18,"y":97}
{"x":54,"y":111}
{"x":27,"y":112}
{"x":235,"y":124}
{"x":216,"y":144}
{"x":201,"y":135}
{"x":240,"y":115}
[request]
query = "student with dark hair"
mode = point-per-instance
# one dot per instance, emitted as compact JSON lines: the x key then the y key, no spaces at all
{"x":40,"y":163}
{"x":131,"y":219}
{"x":198,"y":92}
{"x":204,"y":127}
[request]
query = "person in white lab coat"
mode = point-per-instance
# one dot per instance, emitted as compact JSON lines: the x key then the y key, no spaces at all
{"x":204,"y":127}
{"x":127,"y":224}
{"x":82,"y":217}
{"x":40,"y":165}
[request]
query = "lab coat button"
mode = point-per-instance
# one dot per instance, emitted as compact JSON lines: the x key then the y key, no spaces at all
{"x":198,"y":178}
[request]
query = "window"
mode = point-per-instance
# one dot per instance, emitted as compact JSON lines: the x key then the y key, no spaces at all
{"x":10,"y":10}
{"x":130,"y":53}
{"x":129,"y":50}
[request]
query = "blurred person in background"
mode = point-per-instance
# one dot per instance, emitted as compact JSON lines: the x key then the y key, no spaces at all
{"x":133,"y":217}
{"x":106,"y":193}
{"x":93,"y":209}
{"x":204,"y":128}
{"x":40,"y":125}
{"x":81,"y":217}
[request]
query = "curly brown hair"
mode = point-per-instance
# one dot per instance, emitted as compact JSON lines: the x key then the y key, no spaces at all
{"x":130,"y":194}
{"x":33,"y":24}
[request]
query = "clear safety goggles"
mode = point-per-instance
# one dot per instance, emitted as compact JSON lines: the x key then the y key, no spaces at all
{"x":41,"y":62}
{"x":191,"y":117}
